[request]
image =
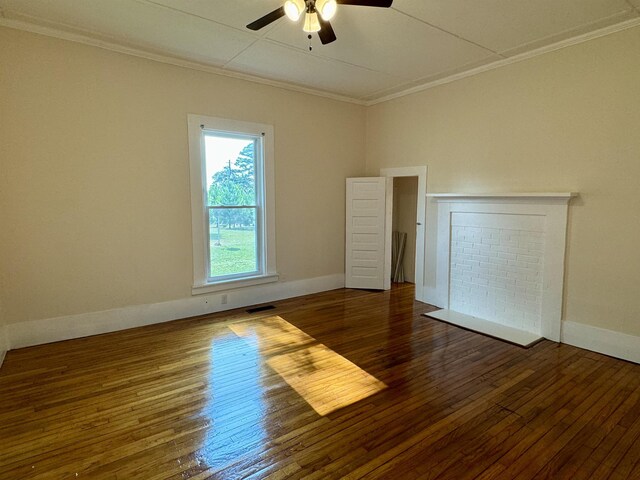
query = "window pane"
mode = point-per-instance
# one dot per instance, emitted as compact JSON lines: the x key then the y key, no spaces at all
{"x":230,"y":170}
{"x":232,"y":241}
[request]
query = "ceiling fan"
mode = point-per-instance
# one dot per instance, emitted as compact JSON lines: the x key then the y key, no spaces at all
{"x":317,"y":15}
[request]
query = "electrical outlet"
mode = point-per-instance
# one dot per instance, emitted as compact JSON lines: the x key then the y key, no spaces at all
{"x":223,"y":299}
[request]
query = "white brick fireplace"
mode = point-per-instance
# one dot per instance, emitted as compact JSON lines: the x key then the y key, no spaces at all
{"x":500,"y":263}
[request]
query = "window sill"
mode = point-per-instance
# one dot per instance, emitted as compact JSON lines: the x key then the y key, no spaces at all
{"x":231,"y":284}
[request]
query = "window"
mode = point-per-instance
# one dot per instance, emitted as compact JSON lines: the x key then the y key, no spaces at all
{"x":232,"y":203}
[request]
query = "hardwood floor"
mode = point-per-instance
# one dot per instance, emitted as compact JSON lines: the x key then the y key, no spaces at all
{"x":342,"y":384}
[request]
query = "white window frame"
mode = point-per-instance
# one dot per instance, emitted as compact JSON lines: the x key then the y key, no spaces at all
{"x":265,"y":192}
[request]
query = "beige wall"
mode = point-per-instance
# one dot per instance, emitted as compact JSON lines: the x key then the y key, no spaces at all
{"x":94,"y":185}
{"x":405,"y":201}
{"x":564,"y":121}
{"x":94,"y":192}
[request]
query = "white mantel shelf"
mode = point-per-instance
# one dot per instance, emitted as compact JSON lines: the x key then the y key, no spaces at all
{"x":504,"y":197}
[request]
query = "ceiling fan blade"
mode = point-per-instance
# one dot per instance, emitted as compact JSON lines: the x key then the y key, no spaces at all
{"x":326,"y":33}
{"x":367,"y":3}
{"x":267,"y":19}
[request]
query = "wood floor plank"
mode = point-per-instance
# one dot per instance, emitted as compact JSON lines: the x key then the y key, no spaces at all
{"x":213,"y":397}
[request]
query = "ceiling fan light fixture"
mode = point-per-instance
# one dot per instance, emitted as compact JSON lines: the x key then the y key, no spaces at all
{"x":293,"y":9}
{"x":311,"y":23}
{"x":326,"y":8}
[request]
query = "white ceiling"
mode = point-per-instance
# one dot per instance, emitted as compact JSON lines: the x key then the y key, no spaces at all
{"x":378,"y":52}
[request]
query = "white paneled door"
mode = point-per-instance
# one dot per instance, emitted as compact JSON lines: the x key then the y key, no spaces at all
{"x":368,"y":250}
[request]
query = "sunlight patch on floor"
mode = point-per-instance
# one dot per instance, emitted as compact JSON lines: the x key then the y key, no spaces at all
{"x":326,"y":380}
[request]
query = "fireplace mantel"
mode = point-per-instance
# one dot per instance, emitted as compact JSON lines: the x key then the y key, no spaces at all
{"x":499,"y":262}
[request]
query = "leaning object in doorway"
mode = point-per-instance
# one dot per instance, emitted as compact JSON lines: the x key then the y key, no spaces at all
{"x":398,"y":243}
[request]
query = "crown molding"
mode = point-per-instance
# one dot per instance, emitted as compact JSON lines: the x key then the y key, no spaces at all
{"x":56,"y":32}
{"x":585,"y":37}
{"x":166,"y":59}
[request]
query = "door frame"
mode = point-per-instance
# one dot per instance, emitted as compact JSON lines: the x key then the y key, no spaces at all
{"x":421,"y":209}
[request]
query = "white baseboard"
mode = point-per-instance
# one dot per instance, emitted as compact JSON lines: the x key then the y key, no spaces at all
{"x":608,"y":342}
{"x":37,"y":332}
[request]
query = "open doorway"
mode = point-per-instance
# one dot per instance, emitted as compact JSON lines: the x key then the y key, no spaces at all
{"x":407,"y":212}
{"x":403,"y":243}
